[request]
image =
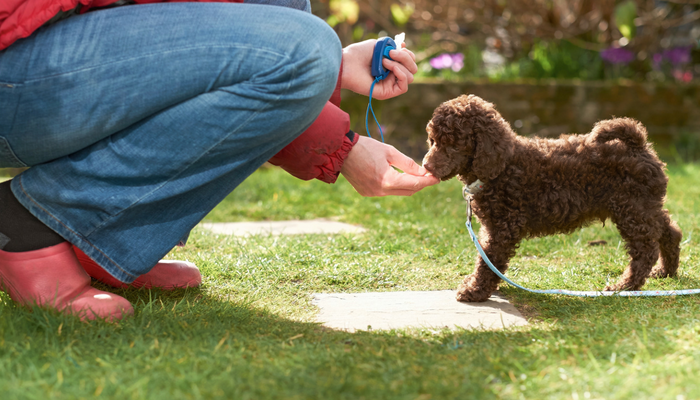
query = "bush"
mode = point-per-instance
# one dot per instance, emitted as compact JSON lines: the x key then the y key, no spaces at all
{"x":589,"y":40}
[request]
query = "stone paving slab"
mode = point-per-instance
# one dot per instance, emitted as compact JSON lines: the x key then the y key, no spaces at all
{"x":294,"y":227}
{"x":395,"y":310}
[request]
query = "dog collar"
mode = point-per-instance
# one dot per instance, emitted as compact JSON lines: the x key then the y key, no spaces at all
{"x":474,"y":187}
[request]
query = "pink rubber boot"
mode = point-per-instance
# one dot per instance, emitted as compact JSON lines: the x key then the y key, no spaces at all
{"x":53,"y":278}
{"x":166,"y":275}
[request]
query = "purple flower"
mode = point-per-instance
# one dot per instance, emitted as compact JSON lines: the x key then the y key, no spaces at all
{"x":617,"y":55}
{"x":457,"y":62}
{"x":454,"y":61}
{"x":676,"y":56}
{"x":442,"y":61}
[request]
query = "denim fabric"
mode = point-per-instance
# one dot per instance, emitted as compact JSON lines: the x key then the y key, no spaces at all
{"x":303,"y":5}
{"x":136,"y":121}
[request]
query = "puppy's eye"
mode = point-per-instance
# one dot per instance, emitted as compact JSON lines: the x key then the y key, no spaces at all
{"x":431,"y":141}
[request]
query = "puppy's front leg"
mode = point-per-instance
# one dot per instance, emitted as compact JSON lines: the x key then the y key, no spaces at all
{"x":499,"y":247}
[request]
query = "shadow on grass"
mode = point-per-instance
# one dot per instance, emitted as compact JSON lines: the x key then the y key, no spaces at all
{"x":188,"y":343}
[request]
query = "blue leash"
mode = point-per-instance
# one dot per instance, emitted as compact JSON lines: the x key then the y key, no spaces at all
{"x":369,"y":108}
{"x":578,"y":293}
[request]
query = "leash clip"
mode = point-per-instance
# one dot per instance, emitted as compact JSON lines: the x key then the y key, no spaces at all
{"x":468,"y":198}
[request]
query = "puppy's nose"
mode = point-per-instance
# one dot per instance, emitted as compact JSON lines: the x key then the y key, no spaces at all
{"x":428,"y":166}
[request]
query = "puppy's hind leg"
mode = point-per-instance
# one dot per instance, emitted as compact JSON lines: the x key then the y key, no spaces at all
{"x":482,"y":282}
{"x":669,"y":244}
{"x":641,"y":233}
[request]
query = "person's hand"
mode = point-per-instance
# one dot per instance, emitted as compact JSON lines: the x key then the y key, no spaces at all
{"x":357,"y":76}
{"x":368,"y":168}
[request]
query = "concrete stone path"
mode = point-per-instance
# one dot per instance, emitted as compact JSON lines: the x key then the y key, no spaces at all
{"x":383,"y":310}
{"x":395,"y":310}
{"x":274,"y":228}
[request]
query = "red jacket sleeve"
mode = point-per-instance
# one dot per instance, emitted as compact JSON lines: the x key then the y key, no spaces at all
{"x":319,"y":152}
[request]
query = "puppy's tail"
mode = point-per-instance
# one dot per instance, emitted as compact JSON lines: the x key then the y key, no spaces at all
{"x":630,"y":132}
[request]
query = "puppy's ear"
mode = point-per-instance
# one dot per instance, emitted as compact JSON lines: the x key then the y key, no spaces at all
{"x":495,"y":141}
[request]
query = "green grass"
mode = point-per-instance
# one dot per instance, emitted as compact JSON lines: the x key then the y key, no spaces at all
{"x":248,"y":332}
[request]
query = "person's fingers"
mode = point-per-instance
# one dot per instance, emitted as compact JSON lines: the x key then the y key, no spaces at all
{"x":413,"y":56}
{"x":406,"y":58}
{"x":407,"y":73}
{"x":400,"y":193}
{"x":400,"y":82}
{"x":404,"y":163}
{"x":397,"y":84}
{"x":413,"y":178}
{"x":394,"y":65}
{"x":369,"y":170}
{"x":404,"y":184}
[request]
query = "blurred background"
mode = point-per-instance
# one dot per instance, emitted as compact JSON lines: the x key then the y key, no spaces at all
{"x":550,"y":66}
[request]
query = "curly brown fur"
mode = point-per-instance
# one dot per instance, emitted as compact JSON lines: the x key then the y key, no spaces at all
{"x":536,"y":187}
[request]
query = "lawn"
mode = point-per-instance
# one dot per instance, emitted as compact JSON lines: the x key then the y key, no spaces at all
{"x":248,"y":332}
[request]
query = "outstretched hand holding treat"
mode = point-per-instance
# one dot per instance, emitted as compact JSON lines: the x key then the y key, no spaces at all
{"x":370,"y":170}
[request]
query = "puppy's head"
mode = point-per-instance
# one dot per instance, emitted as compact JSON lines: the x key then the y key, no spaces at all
{"x":469,"y":138}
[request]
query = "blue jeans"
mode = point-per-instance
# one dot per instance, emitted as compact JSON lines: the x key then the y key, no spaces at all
{"x":138,"y":120}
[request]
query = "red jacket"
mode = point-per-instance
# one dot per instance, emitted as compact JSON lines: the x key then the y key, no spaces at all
{"x":318,"y":153}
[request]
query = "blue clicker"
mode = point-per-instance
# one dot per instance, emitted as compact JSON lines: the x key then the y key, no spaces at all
{"x":381,"y":50}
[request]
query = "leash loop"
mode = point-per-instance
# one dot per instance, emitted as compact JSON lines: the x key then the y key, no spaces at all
{"x":369,"y":108}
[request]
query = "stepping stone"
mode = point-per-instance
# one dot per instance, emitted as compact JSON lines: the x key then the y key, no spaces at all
{"x":396,"y":310}
{"x":294,"y":227}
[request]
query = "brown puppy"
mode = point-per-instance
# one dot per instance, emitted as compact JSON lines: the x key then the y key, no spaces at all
{"x":536,"y":187}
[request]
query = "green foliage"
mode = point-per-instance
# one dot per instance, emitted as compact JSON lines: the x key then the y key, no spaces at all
{"x":557,"y":60}
{"x":343,"y":11}
{"x":401,"y":15}
{"x":685,"y":148}
{"x":358,"y":33}
{"x":540,"y":40}
{"x":545,"y":60}
{"x":625,"y":13}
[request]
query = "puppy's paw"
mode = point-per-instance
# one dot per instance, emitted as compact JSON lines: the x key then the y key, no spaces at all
{"x":660,"y":272}
{"x":619,"y":287}
{"x":469,"y":293}
{"x":611,"y":288}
